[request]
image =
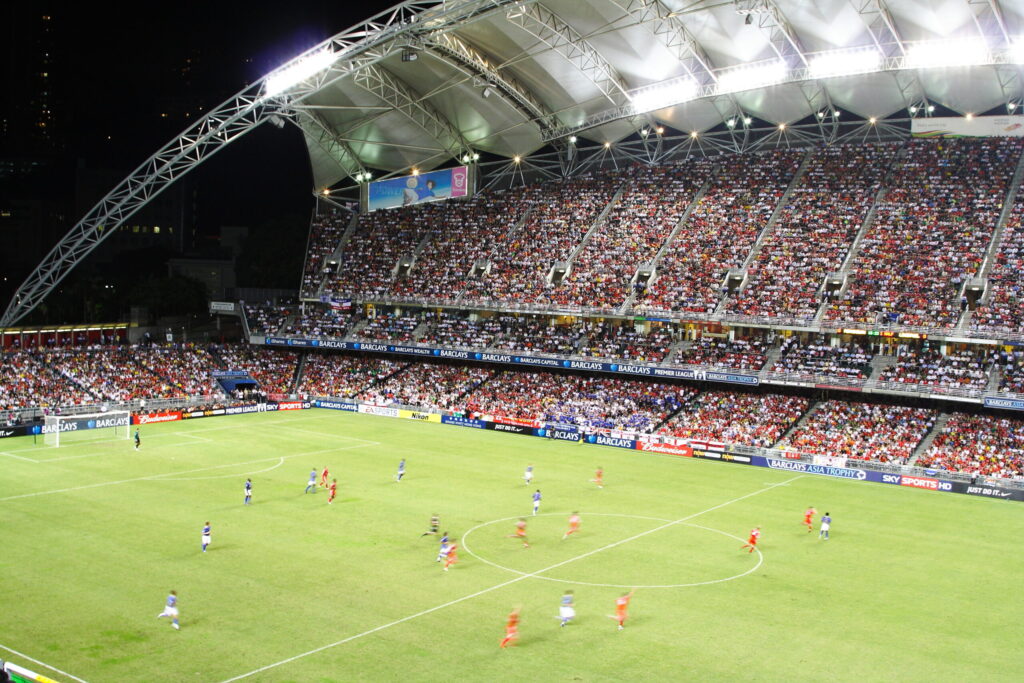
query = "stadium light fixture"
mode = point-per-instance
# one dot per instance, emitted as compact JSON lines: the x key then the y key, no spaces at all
{"x":872,"y":120}
{"x":821,"y":114}
{"x":1011,"y":106}
{"x":747,"y":120}
{"x":298,"y":71}
{"x":969,"y":116}
{"x":607,"y":145}
{"x":663,"y":95}
{"x":693,"y":134}
{"x":572,"y":139}
{"x":845,"y":63}
{"x":782,"y":126}
{"x":517,"y":158}
{"x":913,"y":110}
{"x":415,"y":171}
{"x":953,"y":52}
{"x":751,"y":76}
{"x":931,"y":108}
{"x":659,"y":130}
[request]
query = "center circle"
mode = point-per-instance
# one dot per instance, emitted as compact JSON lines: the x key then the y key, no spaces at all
{"x":666,"y":524}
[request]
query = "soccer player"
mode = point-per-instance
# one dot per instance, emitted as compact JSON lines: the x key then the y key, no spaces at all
{"x":401,"y":470}
{"x":138,"y":440}
{"x":323,"y":477}
{"x":171,"y":610}
{"x":333,"y":490}
{"x":311,"y":486}
{"x":435,"y":524}
{"x":443,"y":550}
{"x":511,"y":629}
{"x":521,"y":532}
{"x":621,"y":604}
{"x":528,"y":474}
{"x":751,"y":543}
{"x":567,"y":608}
{"x":599,"y":477}
{"x":809,"y":517}
{"x":574,"y":525}
{"x":206,"y":536}
{"x":451,"y":557}
{"x":826,"y":523}
{"x":536,"y":501}
{"x":248,"y":492}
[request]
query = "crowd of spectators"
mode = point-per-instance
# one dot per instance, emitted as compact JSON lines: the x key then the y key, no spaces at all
{"x":1012,"y":379}
{"x":624,"y":342}
{"x":1002,"y":310}
{"x":113,"y":373}
{"x":862,"y":431}
{"x":560,"y":214}
{"x":738,"y":354}
{"x":319,"y":320}
{"x":637,"y":225}
{"x":392,"y":327}
{"x":588,"y":402}
{"x":814,"y":231}
{"x":333,"y":375}
{"x":185,"y":367}
{"x":720,"y":232}
{"x":930,"y":368}
{"x":266,"y":318}
{"x":462,"y":232}
{"x":980,"y":445}
{"x":427,"y":386}
{"x":273,"y":369}
{"x":846,"y":361}
{"x":325,"y":233}
{"x":736,"y":418}
{"x":930,"y":232}
{"x":530,"y":334}
{"x":453,"y":330}
{"x":28,"y":382}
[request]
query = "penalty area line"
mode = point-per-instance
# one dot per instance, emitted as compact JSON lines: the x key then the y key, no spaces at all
{"x":503,"y":584}
{"x":44,"y":664}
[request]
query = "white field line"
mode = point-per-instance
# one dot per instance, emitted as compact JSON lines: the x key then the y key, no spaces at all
{"x":36,"y":661}
{"x":12,"y":455}
{"x":174,"y":474}
{"x":280,"y":461}
{"x":502,"y":584}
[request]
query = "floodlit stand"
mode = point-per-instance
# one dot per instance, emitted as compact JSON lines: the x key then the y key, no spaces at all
{"x":60,"y":430}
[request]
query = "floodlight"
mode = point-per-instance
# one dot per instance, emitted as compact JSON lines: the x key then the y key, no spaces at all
{"x":1011,"y":106}
{"x":913,"y":110}
{"x":954,"y":52}
{"x":663,"y":95}
{"x":517,"y":158}
{"x":415,"y":171}
{"x":607,"y":145}
{"x":844,"y":62}
{"x":872,"y":120}
{"x":297,"y":71}
{"x":753,"y":76}
{"x":659,"y":130}
{"x":969,"y":116}
{"x":731,"y":123}
{"x":475,"y":156}
{"x":747,"y":120}
{"x":782,"y":126}
{"x":572,"y":139}
{"x":693,"y":134}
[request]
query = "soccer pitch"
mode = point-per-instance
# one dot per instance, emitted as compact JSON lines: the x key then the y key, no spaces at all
{"x":913,"y":585}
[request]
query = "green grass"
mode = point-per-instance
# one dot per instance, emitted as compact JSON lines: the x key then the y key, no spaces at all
{"x":914,"y":585}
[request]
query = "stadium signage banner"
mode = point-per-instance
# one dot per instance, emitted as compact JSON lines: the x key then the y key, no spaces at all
{"x":214,"y":412}
{"x":418,"y":189}
{"x":559,"y":434}
{"x":511,"y":429}
{"x":417,"y":415}
{"x":963,"y":127}
{"x":929,"y":483}
{"x":992,"y":492}
{"x":336,"y":405}
{"x":1007,"y":403}
{"x":229,"y":374}
{"x":667,"y":448}
{"x":459,"y":421}
{"x":151,"y":418}
{"x":83,"y":424}
{"x":452,"y":353}
{"x":291,"y":405}
{"x":378,"y":410}
{"x":809,"y":468}
{"x":252,"y":408}
{"x":617,"y":442}
{"x":19,"y":430}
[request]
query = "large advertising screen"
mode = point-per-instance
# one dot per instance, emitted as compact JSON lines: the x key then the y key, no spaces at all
{"x":962,"y":127}
{"x":416,"y":189}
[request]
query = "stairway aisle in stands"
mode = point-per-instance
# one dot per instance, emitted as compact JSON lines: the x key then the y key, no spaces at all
{"x":926,"y":442}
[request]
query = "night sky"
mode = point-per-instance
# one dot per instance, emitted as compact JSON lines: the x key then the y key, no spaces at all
{"x":128,"y":83}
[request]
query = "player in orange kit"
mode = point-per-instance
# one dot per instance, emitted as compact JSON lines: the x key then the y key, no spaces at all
{"x":755,"y":534}
{"x":521,"y":532}
{"x":574,"y":525}
{"x":621,"y":603}
{"x":808,"y":518}
{"x":511,"y":629}
{"x":323,"y":477}
{"x":333,"y":490}
{"x":599,"y":478}
{"x":451,"y":558}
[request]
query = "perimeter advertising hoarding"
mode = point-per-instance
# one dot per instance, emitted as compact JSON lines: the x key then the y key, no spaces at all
{"x":418,"y":189}
{"x":962,"y":127}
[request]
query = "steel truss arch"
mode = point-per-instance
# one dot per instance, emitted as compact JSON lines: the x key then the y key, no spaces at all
{"x":314,"y":128}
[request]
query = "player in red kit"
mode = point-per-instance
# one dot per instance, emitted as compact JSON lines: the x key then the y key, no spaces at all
{"x":451,"y":558}
{"x":599,"y":478}
{"x":333,"y":490}
{"x":808,"y":519}
{"x":621,"y":604}
{"x":323,"y":477}
{"x":511,"y":629}
{"x":521,"y":532}
{"x":574,"y":525}
{"x":751,"y":543}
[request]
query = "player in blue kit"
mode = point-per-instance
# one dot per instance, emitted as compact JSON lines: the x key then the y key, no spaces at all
{"x":248,"y":492}
{"x":401,"y":470}
{"x":826,"y":523}
{"x":443,"y":551}
{"x":312,"y":482}
{"x":206,"y":536}
{"x":171,"y":610}
{"x":536,"y":501}
{"x":567,"y":608}
{"x":528,"y":475}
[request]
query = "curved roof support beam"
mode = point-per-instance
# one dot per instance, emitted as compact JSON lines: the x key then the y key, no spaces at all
{"x":673,"y":34}
{"x":550,"y":29}
{"x":468,"y":59}
{"x":988,"y":17}
{"x":404,"y":99}
{"x":886,"y":37}
{"x":314,"y":128}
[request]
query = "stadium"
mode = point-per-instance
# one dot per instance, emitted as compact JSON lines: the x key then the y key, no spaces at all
{"x":651,"y":277}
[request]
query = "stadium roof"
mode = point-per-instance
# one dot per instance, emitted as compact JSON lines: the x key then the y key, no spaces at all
{"x":429,"y":81}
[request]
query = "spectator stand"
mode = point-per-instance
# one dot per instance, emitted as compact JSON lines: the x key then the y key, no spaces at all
{"x":978,"y":445}
{"x":1001,"y":309}
{"x":722,"y":352}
